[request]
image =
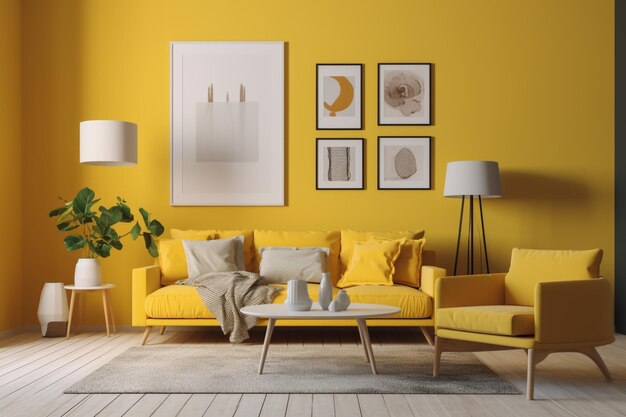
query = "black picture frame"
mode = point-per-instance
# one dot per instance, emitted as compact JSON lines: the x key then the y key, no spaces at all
{"x":422,"y":74}
{"x":350,"y":123}
{"x":355,"y":167}
{"x":419,"y":148}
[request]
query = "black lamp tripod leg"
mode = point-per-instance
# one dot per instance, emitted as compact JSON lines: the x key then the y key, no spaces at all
{"x":458,"y":239}
{"x":482,"y":225}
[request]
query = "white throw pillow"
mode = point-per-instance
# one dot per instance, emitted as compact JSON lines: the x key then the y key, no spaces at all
{"x":209,"y":256}
{"x":280,"y":264}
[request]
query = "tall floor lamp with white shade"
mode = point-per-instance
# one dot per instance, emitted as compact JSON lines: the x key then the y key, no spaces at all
{"x":472,"y":179}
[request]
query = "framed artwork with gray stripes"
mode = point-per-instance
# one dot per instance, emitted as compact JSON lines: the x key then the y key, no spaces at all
{"x":339,"y":164}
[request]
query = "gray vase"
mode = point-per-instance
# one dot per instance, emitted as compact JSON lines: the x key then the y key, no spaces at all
{"x":325,"y":294}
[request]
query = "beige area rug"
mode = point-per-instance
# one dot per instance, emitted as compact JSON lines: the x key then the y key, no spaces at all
{"x":210,"y":368}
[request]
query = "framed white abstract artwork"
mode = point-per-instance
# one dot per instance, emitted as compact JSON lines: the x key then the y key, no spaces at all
{"x":339,"y":164}
{"x":404,"y":163}
{"x":227,"y":124}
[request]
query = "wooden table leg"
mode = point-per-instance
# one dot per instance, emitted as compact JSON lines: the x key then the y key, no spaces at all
{"x":105,"y":307}
{"x":79,"y":316}
{"x":110,"y":306}
{"x":368,"y":343}
{"x":266,"y":343}
{"x":367,"y":356}
{"x":69,"y":319}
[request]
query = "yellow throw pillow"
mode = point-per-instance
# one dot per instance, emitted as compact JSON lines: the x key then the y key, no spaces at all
{"x":372,"y":263}
{"x":408,"y":266}
{"x":192,"y":234}
{"x":531,"y":266}
{"x":172,"y":260}
{"x":348,"y":237}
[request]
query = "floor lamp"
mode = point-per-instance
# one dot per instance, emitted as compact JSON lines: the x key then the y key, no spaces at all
{"x":472,"y":179}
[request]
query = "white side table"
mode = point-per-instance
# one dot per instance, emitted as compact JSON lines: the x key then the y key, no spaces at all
{"x":358,"y":312}
{"x":77,"y":298}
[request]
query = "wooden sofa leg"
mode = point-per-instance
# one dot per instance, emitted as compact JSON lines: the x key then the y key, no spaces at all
{"x":146,"y":333}
{"x":437,"y":361}
{"x":427,"y":335}
{"x":162,"y":331}
{"x":530,"y":375}
{"x":593,"y":354}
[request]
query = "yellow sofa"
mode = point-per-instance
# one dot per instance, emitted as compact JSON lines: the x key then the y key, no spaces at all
{"x":155,"y":302}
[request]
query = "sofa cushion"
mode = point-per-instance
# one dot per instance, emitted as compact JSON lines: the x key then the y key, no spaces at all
{"x":183,"y":302}
{"x":372,"y":263}
{"x":507,"y":320}
{"x":530,"y":266}
{"x":216,"y":255}
{"x":330,"y":240}
{"x":348,"y":237}
{"x":172,"y":260}
{"x":413,"y":303}
{"x":279,"y":264}
{"x":248,"y":238}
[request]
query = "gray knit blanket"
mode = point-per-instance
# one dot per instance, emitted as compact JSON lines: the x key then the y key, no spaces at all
{"x":225,"y":293}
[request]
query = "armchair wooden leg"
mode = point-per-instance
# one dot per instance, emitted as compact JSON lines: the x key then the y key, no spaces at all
{"x":530,"y":375}
{"x":146,"y":333}
{"x":162,"y":331}
{"x":437,"y":361}
{"x":427,"y":335}
{"x":593,"y":354}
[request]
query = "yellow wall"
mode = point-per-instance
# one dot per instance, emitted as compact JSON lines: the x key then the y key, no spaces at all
{"x":528,"y":84}
{"x":11,"y":277}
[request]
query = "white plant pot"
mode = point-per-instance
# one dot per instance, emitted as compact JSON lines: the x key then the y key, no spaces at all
{"x":52,"y":311}
{"x":88,"y":273}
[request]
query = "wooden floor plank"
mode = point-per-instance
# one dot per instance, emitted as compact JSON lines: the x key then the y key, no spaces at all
{"x":60,"y":406}
{"x":372,"y":405}
{"x":250,"y":405}
{"x":172,"y":405}
{"x":196,"y":405}
{"x":146,"y":405}
{"x":397,"y":405}
{"x":92,"y":405}
{"x":275,"y":405}
{"x":299,"y":405}
{"x":119,"y":406}
{"x":347,"y":405}
{"x":323,"y":405}
{"x":224,"y":405}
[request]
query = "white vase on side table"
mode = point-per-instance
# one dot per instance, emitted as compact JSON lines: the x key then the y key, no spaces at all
{"x":88,"y":273}
{"x":52,"y":312}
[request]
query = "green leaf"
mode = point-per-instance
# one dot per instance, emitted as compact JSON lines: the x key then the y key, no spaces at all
{"x":146,"y":217}
{"x":103,"y":250}
{"x":57,"y":211}
{"x":135,"y":231}
{"x":150,"y":245}
{"x":83,"y":201}
{"x":74,"y":242}
{"x":156,"y":228}
{"x":127,"y":216}
{"x":116,"y":244}
{"x":66,"y":226}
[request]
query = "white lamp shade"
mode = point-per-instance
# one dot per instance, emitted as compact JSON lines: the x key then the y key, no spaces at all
{"x":108,"y":142}
{"x":472,"y":178}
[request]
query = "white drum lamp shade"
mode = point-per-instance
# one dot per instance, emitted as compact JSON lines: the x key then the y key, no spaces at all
{"x":108,"y":143}
{"x":472,"y":178}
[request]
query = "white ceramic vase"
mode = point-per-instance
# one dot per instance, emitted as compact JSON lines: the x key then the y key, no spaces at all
{"x":88,"y":273}
{"x":298,"y":296}
{"x":325,"y":294}
{"x":341,"y":303}
{"x":52,"y":311}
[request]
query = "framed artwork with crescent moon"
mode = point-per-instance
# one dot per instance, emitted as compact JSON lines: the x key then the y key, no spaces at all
{"x":339,"y":164}
{"x":404,"y":162}
{"x":339,"y":98}
{"x":404,"y":94}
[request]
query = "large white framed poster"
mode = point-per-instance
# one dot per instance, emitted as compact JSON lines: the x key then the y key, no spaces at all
{"x":227,"y":124}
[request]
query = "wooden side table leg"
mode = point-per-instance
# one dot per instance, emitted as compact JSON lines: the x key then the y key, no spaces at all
{"x":79,"y":301}
{"x":266,"y":343}
{"x":71,"y":314}
{"x":105,"y":307}
{"x":368,"y":343}
{"x":110,"y":306}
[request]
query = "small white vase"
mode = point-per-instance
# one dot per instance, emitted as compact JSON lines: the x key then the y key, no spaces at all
{"x":341,"y":303}
{"x":88,"y":273}
{"x":298,"y":296}
{"x":52,"y":311}
{"x":325,"y":294}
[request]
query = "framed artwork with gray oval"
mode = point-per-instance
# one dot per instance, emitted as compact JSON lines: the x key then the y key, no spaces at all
{"x":404,"y":95}
{"x":339,"y":164}
{"x":404,"y":162}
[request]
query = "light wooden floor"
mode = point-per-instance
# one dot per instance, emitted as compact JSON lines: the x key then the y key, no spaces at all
{"x":34,"y":372}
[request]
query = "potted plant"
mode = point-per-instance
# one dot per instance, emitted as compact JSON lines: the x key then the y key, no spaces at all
{"x":97,"y":236}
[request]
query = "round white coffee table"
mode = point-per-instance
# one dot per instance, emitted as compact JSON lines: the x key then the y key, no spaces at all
{"x":358,"y":312}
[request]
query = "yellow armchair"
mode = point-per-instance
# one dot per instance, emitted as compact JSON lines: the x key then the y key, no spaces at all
{"x":550,"y":301}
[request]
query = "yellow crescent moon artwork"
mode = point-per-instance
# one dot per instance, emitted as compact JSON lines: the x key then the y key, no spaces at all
{"x":345,"y":97}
